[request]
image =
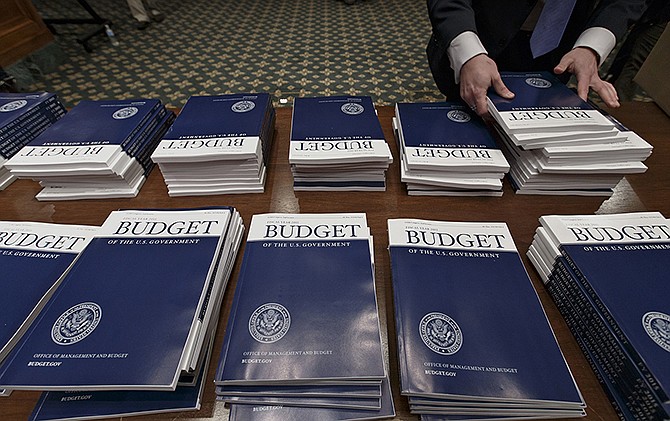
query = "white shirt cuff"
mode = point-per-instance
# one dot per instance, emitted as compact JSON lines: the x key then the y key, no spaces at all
{"x":461,"y":49}
{"x":599,"y":39}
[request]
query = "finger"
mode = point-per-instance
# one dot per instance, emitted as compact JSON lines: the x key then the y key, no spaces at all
{"x":481,"y":104}
{"x":583,"y":88}
{"x":501,"y":89}
{"x":562,"y":66}
{"x":607,"y":93}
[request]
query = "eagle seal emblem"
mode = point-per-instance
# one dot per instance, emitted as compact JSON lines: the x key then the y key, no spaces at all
{"x":657,"y":326}
{"x":538,"y":82}
{"x":14,"y":105}
{"x":243,"y":106}
{"x":352,"y":108}
{"x":269,"y":323}
{"x":124,"y":113}
{"x":458,"y":116}
{"x":76,"y":323}
{"x":440,"y":333}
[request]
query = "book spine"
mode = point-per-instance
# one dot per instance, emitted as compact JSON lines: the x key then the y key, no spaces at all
{"x":48,"y":106}
{"x":617,"y":403}
{"x":603,"y":346}
{"x":635,"y":357}
{"x":140,"y":125}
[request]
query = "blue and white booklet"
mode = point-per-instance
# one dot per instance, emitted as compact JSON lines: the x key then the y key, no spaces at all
{"x":542,"y":103}
{"x":33,"y":256}
{"x":594,"y":259}
{"x":285,"y":413}
{"x":69,"y":406}
{"x":444,"y":147}
{"x":305,"y":309}
{"x":470,"y":325}
{"x":218,"y":144}
{"x":134,"y":310}
{"x":337,"y":143}
{"x":23,"y":116}
{"x":97,"y":145}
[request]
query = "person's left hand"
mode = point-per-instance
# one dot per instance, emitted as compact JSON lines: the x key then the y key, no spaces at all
{"x":583,"y":63}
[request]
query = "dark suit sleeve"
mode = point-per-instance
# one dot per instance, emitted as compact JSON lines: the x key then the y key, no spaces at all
{"x":617,"y":15}
{"x":450,"y":18}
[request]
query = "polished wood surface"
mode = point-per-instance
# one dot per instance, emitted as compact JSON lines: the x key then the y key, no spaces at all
{"x":649,"y":191}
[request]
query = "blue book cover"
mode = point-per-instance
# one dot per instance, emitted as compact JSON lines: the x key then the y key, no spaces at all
{"x":305,"y":308}
{"x":109,"y":122}
{"x":98,"y":331}
{"x":336,"y":129}
{"x":62,"y":406}
{"x":335,"y":118}
{"x":218,"y":127}
{"x":33,"y":256}
{"x":542,"y":102}
{"x":340,"y":402}
{"x":469,"y":322}
{"x":294,"y":413}
{"x":447,"y":136}
{"x":14,"y":105}
{"x":604,"y":350}
{"x":622,"y":262}
{"x":368,"y":390}
{"x":233,"y":115}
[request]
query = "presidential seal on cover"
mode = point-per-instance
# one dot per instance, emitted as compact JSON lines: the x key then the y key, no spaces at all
{"x":352,"y":108}
{"x":458,"y":116}
{"x":269,"y":323}
{"x":538,"y":82}
{"x":243,"y":106}
{"x":76,"y":323}
{"x":440,"y":333}
{"x":123,"y":113}
{"x":657,"y":326}
{"x":14,"y":105}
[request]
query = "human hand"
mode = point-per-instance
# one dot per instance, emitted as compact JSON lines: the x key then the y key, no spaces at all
{"x":583,"y":63}
{"x":477,"y":75}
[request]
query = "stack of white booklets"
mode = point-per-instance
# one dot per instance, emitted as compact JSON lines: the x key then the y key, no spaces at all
{"x":136,"y":310}
{"x":337,"y":143}
{"x":558,"y":144}
{"x":447,"y":150}
{"x":609,"y":277}
{"x":100,"y":149}
{"x":22,"y":118}
{"x":304,"y":327}
{"x":218,"y":145}
{"x":473,"y":339}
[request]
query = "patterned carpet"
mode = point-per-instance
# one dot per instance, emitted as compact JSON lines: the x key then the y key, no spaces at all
{"x":288,"y":48}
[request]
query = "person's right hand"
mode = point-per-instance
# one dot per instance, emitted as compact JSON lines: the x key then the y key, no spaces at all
{"x":477,"y":75}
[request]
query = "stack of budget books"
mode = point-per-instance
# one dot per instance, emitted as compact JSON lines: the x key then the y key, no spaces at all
{"x":473,"y":339}
{"x":445,"y":150}
{"x":100,"y":149}
{"x":22,"y":118}
{"x":137,"y":309}
{"x":608,"y":275}
{"x":218,"y":145}
{"x":33,"y":256}
{"x":337,"y":143}
{"x":304,"y":326}
{"x":559,"y":144}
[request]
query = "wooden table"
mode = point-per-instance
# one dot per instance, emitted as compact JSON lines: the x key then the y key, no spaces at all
{"x":649,"y":191}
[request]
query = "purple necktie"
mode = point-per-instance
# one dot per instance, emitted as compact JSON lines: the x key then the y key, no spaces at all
{"x":550,"y":26}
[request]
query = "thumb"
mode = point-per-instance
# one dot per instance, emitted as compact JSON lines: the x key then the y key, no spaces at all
{"x":562,"y":66}
{"x":501,"y":89}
